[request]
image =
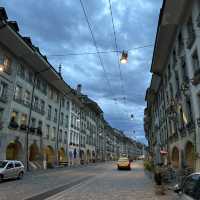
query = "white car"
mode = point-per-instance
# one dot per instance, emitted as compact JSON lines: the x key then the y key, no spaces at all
{"x":11,"y":169}
{"x":190,"y":188}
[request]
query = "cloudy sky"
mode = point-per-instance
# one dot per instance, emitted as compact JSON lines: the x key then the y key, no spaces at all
{"x":59,"y":28}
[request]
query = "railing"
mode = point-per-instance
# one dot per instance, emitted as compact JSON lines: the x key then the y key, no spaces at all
{"x":4,"y":98}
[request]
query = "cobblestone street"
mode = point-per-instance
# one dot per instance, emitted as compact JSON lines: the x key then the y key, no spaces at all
{"x":96,"y":182}
{"x":116,"y":185}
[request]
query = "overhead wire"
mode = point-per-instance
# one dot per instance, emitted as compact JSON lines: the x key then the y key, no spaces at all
{"x":95,"y":44}
{"x":97,"y":50}
{"x":100,"y":52}
{"x":116,"y":48}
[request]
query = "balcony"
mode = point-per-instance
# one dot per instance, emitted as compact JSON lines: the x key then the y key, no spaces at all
{"x":190,"y":127}
{"x":32,"y":130}
{"x":4,"y":98}
{"x":39,"y":131}
{"x":38,"y":110}
{"x":13,"y":125}
{"x":23,"y":127}
{"x":19,"y":100}
{"x":196,"y":78}
{"x":191,"y":40}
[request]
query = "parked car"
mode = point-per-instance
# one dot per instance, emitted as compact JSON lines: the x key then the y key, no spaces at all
{"x":124,"y":163}
{"x":11,"y":169}
{"x":189,"y":189}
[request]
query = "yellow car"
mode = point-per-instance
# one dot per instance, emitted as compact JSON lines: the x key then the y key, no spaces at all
{"x":124,"y":163}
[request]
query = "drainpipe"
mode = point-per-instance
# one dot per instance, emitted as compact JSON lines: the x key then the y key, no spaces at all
{"x":57,"y":136}
{"x":29,"y":121}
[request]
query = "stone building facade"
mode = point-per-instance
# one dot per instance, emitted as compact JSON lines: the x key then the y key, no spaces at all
{"x":172,"y":115}
{"x":43,"y":121}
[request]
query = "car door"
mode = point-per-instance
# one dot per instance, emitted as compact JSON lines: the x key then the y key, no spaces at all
{"x":190,"y":188}
{"x":18,"y":168}
{"x":9,"y":170}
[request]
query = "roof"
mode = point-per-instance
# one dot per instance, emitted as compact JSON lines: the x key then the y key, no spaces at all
{"x":168,"y":22}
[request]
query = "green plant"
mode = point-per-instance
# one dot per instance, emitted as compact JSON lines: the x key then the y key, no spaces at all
{"x":148,"y":165}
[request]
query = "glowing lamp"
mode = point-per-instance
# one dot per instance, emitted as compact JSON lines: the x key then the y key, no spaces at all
{"x":124,"y":58}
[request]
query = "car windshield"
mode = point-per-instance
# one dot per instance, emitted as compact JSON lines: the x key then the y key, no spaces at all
{"x":123,"y":159}
{"x":3,"y":164}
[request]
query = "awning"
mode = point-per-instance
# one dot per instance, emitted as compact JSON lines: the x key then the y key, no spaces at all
{"x":163,"y":152}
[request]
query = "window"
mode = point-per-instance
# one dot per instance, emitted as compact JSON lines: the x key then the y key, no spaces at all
{"x":50,"y":92}
{"x":177,"y":81}
{"x":53,"y":136}
{"x":67,"y":105}
{"x":1,"y":114}
{"x":171,"y":90}
{"x":40,"y":124}
{"x":43,"y":87}
{"x":23,"y":120}
{"x":35,"y":102}
{"x":21,"y":72}
{"x":49,"y":113}
{"x":33,"y":122}
{"x":184,"y":70}
{"x":10,"y":166}
{"x":18,"y":92}
{"x":169,"y":72}
{"x":47,"y":130}
{"x":60,"y":135}
{"x":27,"y":97}
{"x":195,"y":61}
{"x":191,"y":33}
{"x":18,"y":164}
{"x":55,"y":115}
{"x":3,"y":88}
{"x":63,"y":102}
{"x":42,"y":105}
{"x":14,"y":116}
{"x":189,"y":110}
{"x":66,"y":121}
{"x":180,"y":43}
{"x":61,"y":118}
{"x":7,"y":65}
{"x":38,"y":83}
{"x":30,"y":77}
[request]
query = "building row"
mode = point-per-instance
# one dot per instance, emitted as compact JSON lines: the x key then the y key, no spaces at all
{"x":43,"y":121}
{"x":172,"y":115}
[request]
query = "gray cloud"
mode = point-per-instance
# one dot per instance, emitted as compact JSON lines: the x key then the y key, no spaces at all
{"x":59,"y":27}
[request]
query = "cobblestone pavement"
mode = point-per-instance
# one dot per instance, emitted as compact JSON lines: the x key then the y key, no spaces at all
{"x":116,"y":185}
{"x":96,"y":182}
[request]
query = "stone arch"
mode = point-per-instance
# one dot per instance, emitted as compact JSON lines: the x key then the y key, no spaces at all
{"x":61,"y":155}
{"x":175,"y":157}
{"x":34,"y":152}
{"x":189,"y":154}
{"x":14,"y":151}
{"x":49,"y":155}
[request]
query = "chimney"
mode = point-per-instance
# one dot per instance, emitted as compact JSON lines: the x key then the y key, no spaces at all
{"x":79,"y":87}
{"x":60,"y":71}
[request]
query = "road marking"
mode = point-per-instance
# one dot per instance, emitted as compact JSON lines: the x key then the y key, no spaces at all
{"x":61,"y":195}
{"x":59,"y":189}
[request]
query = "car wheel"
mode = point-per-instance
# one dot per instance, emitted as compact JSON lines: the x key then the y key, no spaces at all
{"x":20,"y":176}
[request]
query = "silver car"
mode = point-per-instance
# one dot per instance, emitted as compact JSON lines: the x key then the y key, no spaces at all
{"x":11,"y":169}
{"x":190,"y":188}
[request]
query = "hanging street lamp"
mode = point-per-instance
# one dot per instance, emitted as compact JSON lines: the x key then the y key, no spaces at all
{"x":124,"y":58}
